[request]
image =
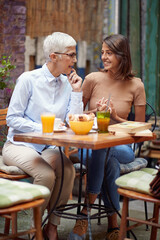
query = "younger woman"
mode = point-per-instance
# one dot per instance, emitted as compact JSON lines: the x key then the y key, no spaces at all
{"x":117,"y":80}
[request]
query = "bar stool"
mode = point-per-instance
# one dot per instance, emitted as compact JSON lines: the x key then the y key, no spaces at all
{"x":129,"y":194}
{"x":16,"y":196}
{"x":11,"y":214}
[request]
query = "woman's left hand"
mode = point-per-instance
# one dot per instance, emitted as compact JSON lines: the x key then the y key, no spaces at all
{"x":75,"y":81}
{"x":113,"y":113}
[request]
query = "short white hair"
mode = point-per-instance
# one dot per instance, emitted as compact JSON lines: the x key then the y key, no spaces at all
{"x":57,"y":42}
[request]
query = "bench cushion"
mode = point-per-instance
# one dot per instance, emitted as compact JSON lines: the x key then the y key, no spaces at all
{"x":138,"y":180}
{"x":14,"y":192}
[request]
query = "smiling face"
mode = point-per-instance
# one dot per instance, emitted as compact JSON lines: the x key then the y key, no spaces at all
{"x":110,"y":60}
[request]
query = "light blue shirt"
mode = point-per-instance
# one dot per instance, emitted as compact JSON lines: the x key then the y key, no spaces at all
{"x":36,"y":92}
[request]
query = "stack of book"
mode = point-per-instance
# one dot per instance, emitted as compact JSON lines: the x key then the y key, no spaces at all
{"x":131,"y":127}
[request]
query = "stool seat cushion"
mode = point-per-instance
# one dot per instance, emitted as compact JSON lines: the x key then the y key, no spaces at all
{"x":77,"y":167}
{"x":13,"y":192}
{"x":137,"y":180}
{"x":10,"y":169}
{"x":137,"y":164}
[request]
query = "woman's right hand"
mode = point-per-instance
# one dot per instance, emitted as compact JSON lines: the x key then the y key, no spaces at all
{"x":101,"y":104}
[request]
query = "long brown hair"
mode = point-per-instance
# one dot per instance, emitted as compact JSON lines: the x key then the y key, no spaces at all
{"x":119,"y":45}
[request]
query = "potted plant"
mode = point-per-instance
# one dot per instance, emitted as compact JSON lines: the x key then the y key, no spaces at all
{"x":6,"y":87}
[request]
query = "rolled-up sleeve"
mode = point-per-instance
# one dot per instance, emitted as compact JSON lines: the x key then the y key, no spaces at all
{"x":75,"y":104}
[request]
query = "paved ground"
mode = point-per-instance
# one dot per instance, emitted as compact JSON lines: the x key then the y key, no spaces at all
{"x":98,"y":231}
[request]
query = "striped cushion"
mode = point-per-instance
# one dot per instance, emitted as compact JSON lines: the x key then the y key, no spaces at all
{"x":77,"y":167}
{"x":14,"y":192}
{"x":137,"y":164}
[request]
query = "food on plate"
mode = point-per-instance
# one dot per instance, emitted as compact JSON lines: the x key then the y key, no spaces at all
{"x":81,"y":117}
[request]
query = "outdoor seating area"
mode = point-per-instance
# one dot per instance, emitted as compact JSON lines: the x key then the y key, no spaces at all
{"x":79,"y":120}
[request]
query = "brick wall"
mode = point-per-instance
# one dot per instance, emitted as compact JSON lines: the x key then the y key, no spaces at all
{"x":12,"y":40}
{"x":12,"y":33}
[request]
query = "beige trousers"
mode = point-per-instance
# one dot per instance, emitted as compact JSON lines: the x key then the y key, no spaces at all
{"x":45,"y":169}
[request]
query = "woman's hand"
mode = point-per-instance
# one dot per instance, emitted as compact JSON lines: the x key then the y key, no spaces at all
{"x":113,"y":113}
{"x":75,"y":81}
{"x":101,"y":104}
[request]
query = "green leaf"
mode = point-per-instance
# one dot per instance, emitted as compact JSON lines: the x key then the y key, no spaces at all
{"x":5,"y":69}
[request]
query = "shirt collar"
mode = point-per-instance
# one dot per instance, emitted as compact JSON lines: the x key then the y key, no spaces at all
{"x":49,"y":75}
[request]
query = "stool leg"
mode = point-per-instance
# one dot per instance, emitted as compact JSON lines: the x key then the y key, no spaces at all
{"x":146,"y":214}
{"x":156,"y":217}
{"x":99,"y":209}
{"x":7,"y":226}
{"x":123,"y":225}
{"x":14,"y":222}
{"x":37,"y":222}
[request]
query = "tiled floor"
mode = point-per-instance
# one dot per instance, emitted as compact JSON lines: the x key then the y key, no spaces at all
{"x":98,"y":231}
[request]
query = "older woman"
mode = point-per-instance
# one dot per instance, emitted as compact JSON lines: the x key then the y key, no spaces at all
{"x":117,"y":80}
{"x":45,"y":90}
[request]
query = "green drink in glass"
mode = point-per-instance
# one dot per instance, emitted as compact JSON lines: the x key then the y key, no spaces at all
{"x":103,"y":119}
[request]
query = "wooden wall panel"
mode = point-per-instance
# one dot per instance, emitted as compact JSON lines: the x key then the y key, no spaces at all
{"x":152,"y":57}
{"x":130,"y":27}
{"x":141,"y":24}
{"x":124,"y":24}
{"x":134,"y":35}
{"x":80,"y":18}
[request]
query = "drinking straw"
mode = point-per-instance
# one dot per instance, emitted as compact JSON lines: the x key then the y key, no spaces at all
{"x":108,"y":102}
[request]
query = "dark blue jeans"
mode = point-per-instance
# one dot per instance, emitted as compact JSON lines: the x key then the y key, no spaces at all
{"x":96,"y":166}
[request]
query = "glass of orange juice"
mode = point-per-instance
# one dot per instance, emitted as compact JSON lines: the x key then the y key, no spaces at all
{"x":103,"y":119}
{"x":47,"y":120}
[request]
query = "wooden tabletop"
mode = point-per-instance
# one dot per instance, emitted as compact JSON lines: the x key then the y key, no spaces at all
{"x":90,"y":141}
